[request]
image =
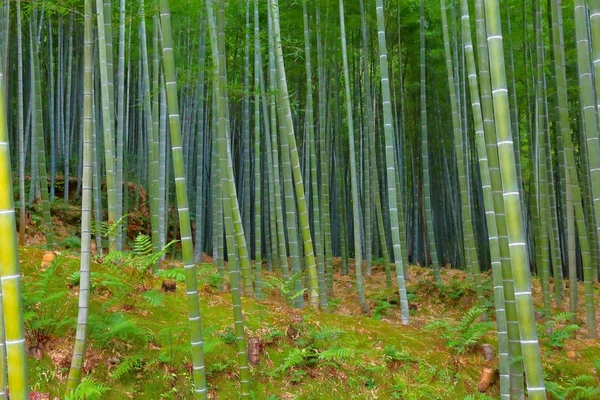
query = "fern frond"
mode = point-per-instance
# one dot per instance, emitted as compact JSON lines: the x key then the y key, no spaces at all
{"x":582,"y":380}
{"x":142,"y":245}
{"x":337,"y":354}
{"x":327,"y":333}
{"x":128,"y":365}
{"x":88,"y":389}
{"x":296,"y":357}
{"x":153,"y":297}
{"x":176,"y":274}
{"x":470,"y":317}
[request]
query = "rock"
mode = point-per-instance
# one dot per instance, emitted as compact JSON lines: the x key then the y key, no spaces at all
{"x":49,"y":256}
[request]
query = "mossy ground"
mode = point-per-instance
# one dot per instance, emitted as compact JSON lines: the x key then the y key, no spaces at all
{"x":427,"y":369}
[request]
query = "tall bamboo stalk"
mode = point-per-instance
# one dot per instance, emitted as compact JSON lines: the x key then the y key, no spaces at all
{"x":86,"y":206}
{"x":187,"y":246}
{"x":516,"y":232}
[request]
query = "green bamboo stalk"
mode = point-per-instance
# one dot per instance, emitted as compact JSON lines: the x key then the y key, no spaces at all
{"x":590,"y":120}
{"x":390,"y":156}
{"x":187,"y":246}
{"x":324,"y":159}
{"x":425,"y":157}
{"x":257,"y":158}
{"x":539,"y":167}
{"x":37,"y":124}
{"x":562,"y":114}
{"x":107,"y":114}
{"x":10,"y":274}
{"x":468,"y":238}
{"x":20,"y":126}
{"x":313,"y":291}
{"x":283,"y":260}
{"x":516,"y":234}
{"x":86,"y":206}
{"x":353,"y":172}
{"x":315,"y":201}
{"x":488,"y":199}
{"x":229,"y":195}
{"x":514,"y":343}
{"x":151,"y":129}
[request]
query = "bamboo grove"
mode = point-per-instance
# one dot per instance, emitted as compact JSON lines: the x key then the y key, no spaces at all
{"x":311,"y":138}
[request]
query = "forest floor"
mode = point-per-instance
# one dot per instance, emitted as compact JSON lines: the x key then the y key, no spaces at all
{"x":139,"y":342}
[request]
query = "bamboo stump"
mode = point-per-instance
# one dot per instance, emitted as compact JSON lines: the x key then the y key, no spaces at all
{"x":169,"y":286}
{"x":254,"y":350}
{"x":488,"y":371}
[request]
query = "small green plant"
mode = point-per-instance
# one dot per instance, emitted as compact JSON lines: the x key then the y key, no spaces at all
{"x":45,"y":311}
{"x":285,"y":287}
{"x":117,"y":328}
{"x":479,"y":396}
{"x":73,"y":279}
{"x":228,"y":335}
{"x":174,"y":345}
{"x":71,"y":242}
{"x":88,"y":389}
{"x":557,"y":330}
{"x":582,"y":387}
{"x":175,"y":274}
{"x":141,"y":258}
{"x":391,"y":354}
{"x":297,"y":358}
{"x":297,"y":376}
{"x":336,"y":354}
{"x":272,"y":336}
{"x":107,"y":229}
{"x":382,"y":309}
{"x":218,"y":367}
{"x":326,"y":333}
{"x":467,"y":334}
{"x":130,"y":364}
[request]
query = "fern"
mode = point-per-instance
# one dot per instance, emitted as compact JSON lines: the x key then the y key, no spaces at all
{"x":582,"y":387}
{"x":337,"y":354}
{"x":117,"y":327}
{"x":582,"y":380}
{"x":142,"y":245}
{"x":128,"y":365}
{"x":285,"y":287}
{"x":88,"y":389}
{"x":73,"y":279}
{"x":176,"y":274}
{"x":390,"y":353}
{"x":108,"y":229}
{"x":295,"y":358}
{"x":327,"y":333}
{"x":381,"y":310}
{"x":557,"y":330}
{"x":154,"y":297}
{"x":44,"y":310}
{"x":228,"y":336}
{"x":467,"y":334}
